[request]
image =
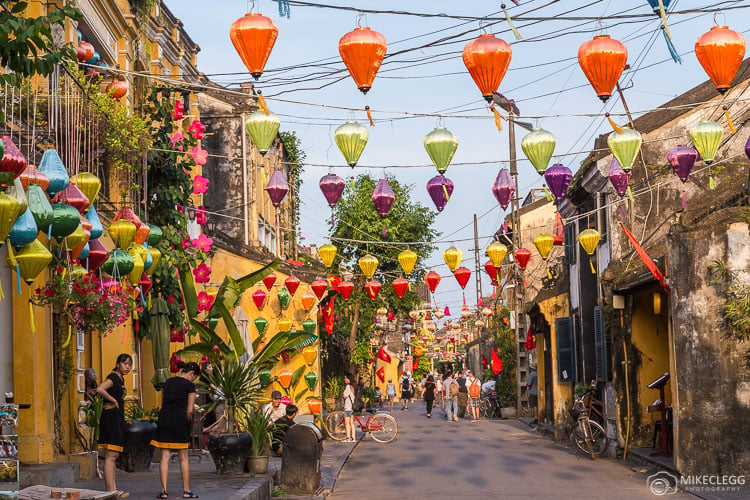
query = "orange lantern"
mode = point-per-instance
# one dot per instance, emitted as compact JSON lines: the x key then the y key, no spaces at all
{"x":372,"y":288}
{"x":487,"y":58}
{"x":118,"y":88}
{"x":308,"y":299}
{"x":314,"y":406}
{"x":253,"y":36}
{"x":285,"y":378}
{"x":362,"y":50}
{"x":720,"y":52}
{"x":603,"y":60}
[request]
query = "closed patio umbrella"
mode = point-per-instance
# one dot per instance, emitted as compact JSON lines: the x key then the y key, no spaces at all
{"x":159,"y":320}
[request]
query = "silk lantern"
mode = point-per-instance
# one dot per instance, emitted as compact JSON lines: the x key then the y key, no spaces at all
{"x":625,"y":146}
{"x":618,"y":177}
{"x":284,"y":325}
{"x":720,"y":52}
{"x":31,"y":261}
{"x":269,"y":281}
{"x":543,"y":244}
{"x":503,"y":188}
{"x":154,"y":235}
{"x":407,"y":259}
{"x":89,"y":184}
{"x":52,"y":166}
{"x":308,"y":299}
{"x":308,"y":326}
{"x":277,"y":187}
{"x":145,"y":284}
{"x":319,"y":287}
{"x":368,"y":264}
{"x":400,"y":286}
{"x":291,"y":284}
{"x":682,"y":160}
{"x":558,"y":179}
{"x":134,"y":276}
{"x":706,"y":137}
{"x":97,"y":255}
{"x":314,"y":405}
{"x":260,"y":324}
{"x":262,"y":129}
{"x":254,"y":36}
{"x":432,"y":279}
{"x":118,"y":89}
{"x":155,"y":258}
{"x":11,"y":158}
{"x":383,"y":197}
{"x":362,"y":51}
{"x":603,"y":60}
{"x":310,"y":354}
{"x":264,"y":377}
{"x":73,"y":197}
{"x":452,"y":257}
{"x":327,"y":254}
{"x":311,"y":380}
{"x":32,"y":175}
{"x":462,"y":275}
{"x":259,"y":298}
{"x":24,"y":230}
{"x":491,"y":270}
{"x":122,"y":232}
{"x":65,"y":220}
{"x":284,"y":297}
{"x":332,"y":186}
{"x":84,"y":52}
{"x":440,"y":189}
{"x":372,"y":288}
{"x":17,"y":191}
{"x":589,"y":239}
{"x":40,"y":207}
{"x":351,"y":138}
{"x":141,"y":233}
{"x":285,"y":378}
{"x":539,"y":146}
{"x":522,"y":256}
{"x":441,"y":145}
{"x":346,"y":288}
{"x":96,"y":225}
{"x":119,"y":263}
{"x":496,"y":251}
{"x":487,"y":58}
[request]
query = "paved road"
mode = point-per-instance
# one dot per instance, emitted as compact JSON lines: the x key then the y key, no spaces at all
{"x":432,"y":458}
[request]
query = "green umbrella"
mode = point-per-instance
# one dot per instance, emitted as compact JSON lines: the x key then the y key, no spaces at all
{"x":159,"y":321}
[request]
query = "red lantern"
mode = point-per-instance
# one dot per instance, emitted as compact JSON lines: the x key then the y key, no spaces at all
{"x":73,"y":197}
{"x":253,"y":36}
{"x":462,"y":275}
{"x":433,"y":280}
{"x":98,"y":255}
{"x":85,"y":52}
{"x":269,"y":281}
{"x":602,"y":60}
{"x":362,"y":50}
{"x":491,"y":270}
{"x":259,"y":298}
{"x":720,"y":52}
{"x":292,"y":283}
{"x":522,"y":256}
{"x":346,"y":288}
{"x":487,"y":58}
{"x":145,"y":283}
{"x":373,"y":288}
{"x":400,"y":286}
{"x":118,"y":88}
{"x":319,"y":287}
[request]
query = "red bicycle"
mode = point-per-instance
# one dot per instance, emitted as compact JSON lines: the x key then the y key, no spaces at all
{"x":382,"y":427}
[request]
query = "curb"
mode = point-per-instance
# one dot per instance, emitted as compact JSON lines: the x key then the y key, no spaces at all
{"x":254,"y":491}
{"x":323,"y":493}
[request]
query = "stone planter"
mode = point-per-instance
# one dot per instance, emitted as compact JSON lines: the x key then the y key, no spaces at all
{"x":137,"y":450}
{"x":508,"y":412}
{"x":229,"y":451}
{"x":258,"y":465}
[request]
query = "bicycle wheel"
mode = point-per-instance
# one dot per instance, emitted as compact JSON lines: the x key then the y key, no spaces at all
{"x":486,"y":408}
{"x":598,"y":438}
{"x":335,"y":427}
{"x":382,"y":427}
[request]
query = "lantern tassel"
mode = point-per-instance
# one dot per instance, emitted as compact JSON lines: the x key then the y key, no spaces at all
{"x":32,"y":323}
{"x":730,"y":123}
{"x":525,"y":283}
{"x":549,"y":274}
{"x":684,"y":200}
{"x":498,"y":123}
{"x":711,"y":182}
{"x":615,"y":126}
{"x":591,"y":263}
{"x":672,"y":49}
{"x":510,"y":23}
{"x":663,"y":15}
{"x":630,"y":195}
{"x":18,"y":278}
{"x":284,"y":9}
{"x":70,"y":334}
{"x":262,"y":102}
{"x":548,"y":194}
{"x":369,"y":116}
{"x":149,"y":301}
{"x":463,"y":294}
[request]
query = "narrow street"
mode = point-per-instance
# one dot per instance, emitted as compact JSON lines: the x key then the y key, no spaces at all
{"x":432,"y":458}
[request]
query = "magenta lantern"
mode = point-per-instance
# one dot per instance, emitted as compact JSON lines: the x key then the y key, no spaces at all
{"x":440,"y":189}
{"x":558,"y":179}
{"x":618,"y":177}
{"x":747,"y":148}
{"x":13,"y":160}
{"x":503,"y":188}
{"x":682,"y":159}
{"x":277,"y":187}
{"x":332,"y":186}
{"x":383,"y":197}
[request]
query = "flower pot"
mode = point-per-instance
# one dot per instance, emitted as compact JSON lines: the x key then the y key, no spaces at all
{"x":137,"y":450}
{"x":257,"y":465}
{"x":509,"y":412}
{"x":229,"y":451}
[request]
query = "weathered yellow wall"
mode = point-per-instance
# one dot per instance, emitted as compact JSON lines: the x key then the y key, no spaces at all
{"x":392,"y":371}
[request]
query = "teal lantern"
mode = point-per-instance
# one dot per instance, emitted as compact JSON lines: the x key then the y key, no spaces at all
{"x":119,"y":263}
{"x":538,"y":146}
{"x":148,"y":259}
{"x":309,"y":326}
{"x":24,"y":230}
{"x":154,"y":235}
{"x":625,"y":146}
{"x":40,"y":207}
{"x":351,"y":138}
{"x":441,"y":145}
{"x":311,"y":380}
{"x":52,"y":166}
{"x":65,"y":220}
{"x":706,"y":137}
{"x":96,"y":225}
{"x":261,"y":324}
{"x":264,"y":377}
{"x":262,"y":129}
{"x":285,"y":298}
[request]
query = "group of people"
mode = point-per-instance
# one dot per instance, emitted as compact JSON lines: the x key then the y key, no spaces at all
{"x":282,"y":418}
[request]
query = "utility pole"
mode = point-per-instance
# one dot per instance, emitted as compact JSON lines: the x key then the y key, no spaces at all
{"x":477,"y":264}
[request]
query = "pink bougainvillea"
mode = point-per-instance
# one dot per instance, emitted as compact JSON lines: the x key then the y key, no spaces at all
{"x":197,"y":128}
{"x":204,"y":301}
{"x":202,"y":273}
{"x":176,"y":141}
{"x":198,"y":155}
{"x":178,"y":111}
{"x":200,"y":215}
{"x":203,"y":243}
{"x":200,"y":184}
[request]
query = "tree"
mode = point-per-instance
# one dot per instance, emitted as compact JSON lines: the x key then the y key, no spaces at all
{"x":357,"y":220}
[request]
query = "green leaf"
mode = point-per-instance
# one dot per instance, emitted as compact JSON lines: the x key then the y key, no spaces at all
{"x":250,"y":279}
{"x":203,"y":348}
{"x":209,"y":336}
{"x":234,"y":334}
{"x":188,"y":293}
{"x":297,"y":375}
{"x":272,"y":348}
{"x":19,"y":7}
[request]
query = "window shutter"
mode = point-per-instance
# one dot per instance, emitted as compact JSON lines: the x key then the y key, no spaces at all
{"x":600,"y":346}
{"x":565,"y":353}
{"x":570,"y":243}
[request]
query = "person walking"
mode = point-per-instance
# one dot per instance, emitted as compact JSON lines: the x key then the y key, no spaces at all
{"x":112,"y":421}
{"x":463,"y":394}
{"x":450,"y":396}
{"x":428,"y":393}
{"x":173,"y":426}
{"x":349,"y":409}
{"x":474,"y":388}
{"x":406,"y":387}
{"x":532,"y":384}
{"x":390,"y":392}
{"x":439,"y":390}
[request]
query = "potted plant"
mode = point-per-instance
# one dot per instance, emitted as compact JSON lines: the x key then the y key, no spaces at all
{"x":140,"y":426}
{"x":333,"y":392}
{"x":258,"y":425}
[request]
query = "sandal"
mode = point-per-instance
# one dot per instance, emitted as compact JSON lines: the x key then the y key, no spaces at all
{"x":163,"y":494}
{"x":121,"y":494}
{"x":189,"y":494}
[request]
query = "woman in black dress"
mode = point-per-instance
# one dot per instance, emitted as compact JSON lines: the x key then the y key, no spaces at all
{"x":173,"y":427}
{"x":428,"y":393}
{"x":112,"y":422}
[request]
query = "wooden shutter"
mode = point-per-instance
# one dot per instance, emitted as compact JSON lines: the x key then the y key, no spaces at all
{"x":565,"y":352}
{"x":600,"y":346}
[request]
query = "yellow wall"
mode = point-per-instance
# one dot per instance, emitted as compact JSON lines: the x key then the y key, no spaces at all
{"x":393,"y":371}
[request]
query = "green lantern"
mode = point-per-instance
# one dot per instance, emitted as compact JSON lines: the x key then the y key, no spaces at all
{"x":285,"y":298}
{"x":40,"y":207}
{"x":264,"y":377}
{"x":311,"y":380}
{"x":65,"y":220}
{"x":261,"y":324}
{"x":309,"y":326}
{"x":706,"y":137}
{"x":262,"y":129}
{"x":351,"y":138}
{"x":538,"y":146}
{"x":119,"y":263}
{"x":154,"y":235}
{"x":625,"y":146}
{"x":441,"y":145}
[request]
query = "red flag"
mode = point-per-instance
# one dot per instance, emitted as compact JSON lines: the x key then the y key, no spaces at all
{"x":647,"y":260}
{"x":381,"y":373}
{"x":415,"y":364}
{"x":497,"y":363}
{"x":384,"y":356}
{"x":530,"y":341}
{"x":485,"y":363}
{"x":328,"y":316}
{"x":447,"y":311}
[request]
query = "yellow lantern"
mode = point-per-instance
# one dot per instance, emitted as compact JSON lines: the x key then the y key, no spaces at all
{"x":368,"y":264}
{"x":155,"y":257}
{"x":285,"y":325}
{"x":479,"y":323}
{"x":122,"y":232}
{"x":589,"y":239}
{"x":407,"y":260}
{"x":496,"y":251}
{"x":31,"y":261}
{"x":452,"y":257}
{"x":543,"y":244}
{"x":413,"y":314}
{"x":310,"y":354}
{"x":465,"y":313}
{"x":327,"y":253}
{"x":134,"y":276}
{"x":657,"y":303}
{"x":89,"y":184}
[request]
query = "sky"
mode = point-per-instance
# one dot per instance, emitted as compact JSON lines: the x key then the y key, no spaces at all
{"x":544,"y":79}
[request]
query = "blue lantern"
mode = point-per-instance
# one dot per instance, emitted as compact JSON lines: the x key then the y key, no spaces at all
{"x":148,"y":260}
{"x":84,"y":255}
{"x":94,"y":60}
{"x":97,"y":229}
{"x":24,"y":230}
{"x":52,"y":166}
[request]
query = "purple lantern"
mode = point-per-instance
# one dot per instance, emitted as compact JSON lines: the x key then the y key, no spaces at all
{"x":383,"y":197}
{"x":558,"y":179}
{"x":277,"y":187}
{"x":747,"y":148}
{"x":332,"y":186}
{"x":503,"y":188}
{"x":440,"y":189}
{"x":618,"y":177}
{"x":682,"y":159}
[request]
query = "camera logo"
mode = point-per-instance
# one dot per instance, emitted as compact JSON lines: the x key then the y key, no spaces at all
{"x":662,"y":483}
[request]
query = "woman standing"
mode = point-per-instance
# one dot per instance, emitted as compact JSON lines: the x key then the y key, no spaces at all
{"x":173,"y":427}
{"x":390,"y":391}
{"x":349,"y":408}
{"x":112,"y":421}
{"x":428,"y":393}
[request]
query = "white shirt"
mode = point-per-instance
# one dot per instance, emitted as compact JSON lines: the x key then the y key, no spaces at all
{"x":471,"y":380}
{"x":348,"y":398}
{"x":274,"y":414}
{"x":489,"y":386}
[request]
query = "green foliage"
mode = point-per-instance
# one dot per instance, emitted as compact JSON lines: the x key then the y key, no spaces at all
{"x":234,"y":384}
{"x":296,"y":157}
{"x":334,"y":387}
{"x":258,"y":425}
{"x":736,"y":308}
{"x":135,"y":412}
{"x":422,"y":369}
{"x":368,"y":396}
{"x":92,"y":414}
{"x":361,"y":352}
{"x":506,"y":349}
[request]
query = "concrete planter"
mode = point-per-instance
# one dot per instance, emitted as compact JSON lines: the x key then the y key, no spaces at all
{"x":508,"y":412}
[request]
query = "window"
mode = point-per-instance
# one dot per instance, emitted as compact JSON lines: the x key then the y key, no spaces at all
{"x":571,"y":243}
{"x":565,"y":352}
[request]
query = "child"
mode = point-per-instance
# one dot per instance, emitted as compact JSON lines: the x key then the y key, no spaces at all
{"x":378,"y":397}
{"x":390,"y":391}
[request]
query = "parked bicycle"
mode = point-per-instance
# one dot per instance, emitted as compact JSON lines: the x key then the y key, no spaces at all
{"x":490,"y":408}
{"x":588,"y":434}
{"x":382,"y":427}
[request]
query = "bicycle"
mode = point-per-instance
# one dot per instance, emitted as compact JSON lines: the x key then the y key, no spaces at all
{"x":489,"y":406}
{"x":382,"y":427}
{"x":588,"y":434}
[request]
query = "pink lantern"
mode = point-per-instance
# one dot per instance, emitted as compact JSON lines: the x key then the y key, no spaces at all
{"x":504,"y":188}
{"x":383,"y":197}
{"x":618,"y":177}
{"x":682,"y":159}
{"x":259,"y":298}
{"x":558,"y":179}
{"x":277,"y":187}
{"x":440,"y":189}
{"x":332,"y":186}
